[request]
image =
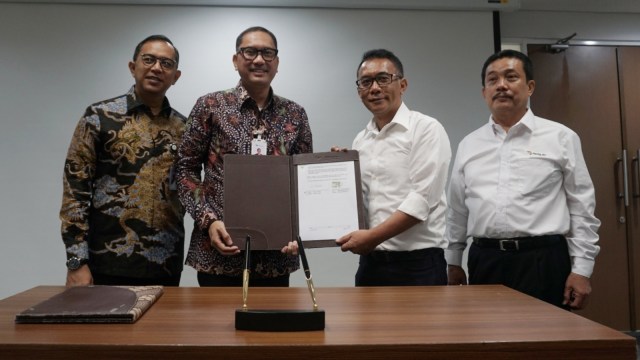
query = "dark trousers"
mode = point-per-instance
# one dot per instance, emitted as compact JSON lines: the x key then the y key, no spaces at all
{"x":102,"y":279}
{"x":402,"y":268}
{"x":205,"y":279}
{"x":539,"y":272}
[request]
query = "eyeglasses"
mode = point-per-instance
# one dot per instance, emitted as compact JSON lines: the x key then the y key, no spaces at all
{"x":250,"y":53}
{"x":150,"y":60}
{"x":383,"y":79}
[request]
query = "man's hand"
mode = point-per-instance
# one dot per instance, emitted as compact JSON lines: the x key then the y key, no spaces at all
{"x":359,"y":242}
{"x":80,"y":277}
{"x":338,"y":149}
{"x":290,"y":249}
{"x":576,"y":291}
{"x":456,"y":275}
{"x":221,"y":240}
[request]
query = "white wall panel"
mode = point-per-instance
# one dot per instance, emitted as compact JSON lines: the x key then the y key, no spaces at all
{"x":57,"y":59}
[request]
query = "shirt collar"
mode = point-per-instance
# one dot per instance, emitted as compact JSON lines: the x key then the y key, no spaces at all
{"x":401,"y":118}
{"x":526,"y":122}
{"x":244,"y":97}
{"x":135,"y":105}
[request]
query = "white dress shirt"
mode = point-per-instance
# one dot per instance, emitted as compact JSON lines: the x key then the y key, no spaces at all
{"x":404,"y":167}
{"x":529,"y":181}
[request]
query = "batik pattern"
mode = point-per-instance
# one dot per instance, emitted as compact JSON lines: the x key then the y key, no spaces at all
{"x":224,"y":123}
{"x":120,"y":206}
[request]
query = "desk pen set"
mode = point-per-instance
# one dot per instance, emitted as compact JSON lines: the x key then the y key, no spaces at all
{"x":277,"y":319}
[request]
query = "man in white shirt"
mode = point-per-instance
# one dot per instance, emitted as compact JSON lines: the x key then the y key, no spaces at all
{"x":404,"y":160}
{"x":520,"y":188}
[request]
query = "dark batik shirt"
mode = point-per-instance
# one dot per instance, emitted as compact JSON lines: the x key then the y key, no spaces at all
{"x":120,"y":207}
{"x":223,"y":123}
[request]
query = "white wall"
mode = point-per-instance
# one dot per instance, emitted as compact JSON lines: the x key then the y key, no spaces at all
{"x":57,"y":59}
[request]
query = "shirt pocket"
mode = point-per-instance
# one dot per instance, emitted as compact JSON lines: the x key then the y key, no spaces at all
{"x":536,"y":177}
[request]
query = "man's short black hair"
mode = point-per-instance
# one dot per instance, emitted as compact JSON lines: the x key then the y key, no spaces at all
{"x":527,"y":65}
{"x":254,"y":29}
{"x":382,"y":54}
{"x":136,"y":52}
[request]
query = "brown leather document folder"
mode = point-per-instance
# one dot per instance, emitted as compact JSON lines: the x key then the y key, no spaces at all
{"x":93,"y":304}
{"x":273,"y":199}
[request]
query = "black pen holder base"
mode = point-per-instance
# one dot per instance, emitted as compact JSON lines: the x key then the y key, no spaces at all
{"x":279,"y":320}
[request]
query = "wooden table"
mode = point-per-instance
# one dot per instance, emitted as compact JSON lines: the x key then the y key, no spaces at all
{"x":450,"y":322}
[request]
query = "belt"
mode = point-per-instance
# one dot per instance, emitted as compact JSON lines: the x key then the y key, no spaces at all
{"x":519,"y":243}
{"x":393,"y":256}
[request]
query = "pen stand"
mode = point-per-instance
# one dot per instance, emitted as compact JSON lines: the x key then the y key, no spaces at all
{"x":277,"y":320}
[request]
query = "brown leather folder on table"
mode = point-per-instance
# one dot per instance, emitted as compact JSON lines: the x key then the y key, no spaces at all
{"x":93,"y":304}
{"x":261,"y":197}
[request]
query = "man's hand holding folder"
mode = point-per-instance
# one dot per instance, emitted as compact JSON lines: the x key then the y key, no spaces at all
{"x":221,"y":240}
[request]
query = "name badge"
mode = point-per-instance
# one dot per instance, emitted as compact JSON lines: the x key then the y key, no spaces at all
{"x":258,"y":146}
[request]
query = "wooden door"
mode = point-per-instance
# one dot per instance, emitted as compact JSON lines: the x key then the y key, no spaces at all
{"x":579,"y":88}
{"x":629,"y":70}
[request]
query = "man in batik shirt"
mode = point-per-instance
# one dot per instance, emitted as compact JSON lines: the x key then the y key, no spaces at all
{"x":248,"y":119}
{"x":122,"y":221}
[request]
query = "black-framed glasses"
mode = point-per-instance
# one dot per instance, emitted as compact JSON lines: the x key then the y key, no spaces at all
{"x":166,"y":63}
{"x":383,"y":79}
{"x":250,"y":53}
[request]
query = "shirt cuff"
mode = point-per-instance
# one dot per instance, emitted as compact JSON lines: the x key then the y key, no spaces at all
{"x":415,"y":205}
{"x":582,"y":266}
{"x":79,"y":250}
{"x":207,"y":221}
{"x":453,"y":257}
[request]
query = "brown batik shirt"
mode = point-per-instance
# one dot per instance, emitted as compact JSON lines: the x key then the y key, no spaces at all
{"x":223,"y":123}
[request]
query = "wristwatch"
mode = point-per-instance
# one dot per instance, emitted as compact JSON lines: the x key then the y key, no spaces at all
{"x":74,"y":263}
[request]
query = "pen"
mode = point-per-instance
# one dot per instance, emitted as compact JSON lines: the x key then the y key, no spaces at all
{"x":307,"y":272}
{"x":245,"y":273}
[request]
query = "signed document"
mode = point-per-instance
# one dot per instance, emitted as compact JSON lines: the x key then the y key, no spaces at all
{"x":274,"y":199}
{"x":327,"y":200}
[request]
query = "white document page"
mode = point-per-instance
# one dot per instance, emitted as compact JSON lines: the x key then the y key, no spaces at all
{"x":327,"y":202}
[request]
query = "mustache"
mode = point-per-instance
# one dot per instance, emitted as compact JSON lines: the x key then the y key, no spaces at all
{"x":501,"y":95}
